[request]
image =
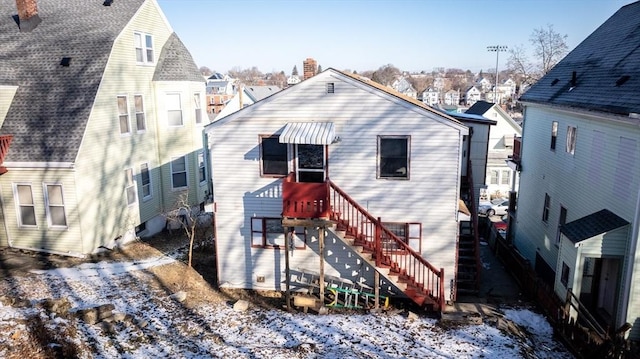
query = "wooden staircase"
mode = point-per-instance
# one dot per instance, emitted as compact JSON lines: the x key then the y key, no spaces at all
{"x":468,"y":275}
{"x":391,"y":256}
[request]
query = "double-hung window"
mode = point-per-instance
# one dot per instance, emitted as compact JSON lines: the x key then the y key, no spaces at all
{"x":174,"y":109}
{"x":179,"y":172}
{"x":571,"y":139}
{"x":145,"y":179}
{"x":141,"y":124}
{"x":201,"y":170}
{"x":393,"y":157}
{"x":130,"y":186}
{"x":54,"y":204}
{"x":547,"y":208}
{"x":196,"y":103}
{"x":144,"y":48}
{"x":26,"y":206}
{"x":273,"y":155}
{"x":269,"y":233}
{"x":554,"y":135}
{"x":123,"y":115}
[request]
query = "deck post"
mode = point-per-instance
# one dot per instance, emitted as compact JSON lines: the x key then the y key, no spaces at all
{"x":321,"y":251}
{"x":376,"y":288}
{"x":287,"y":241}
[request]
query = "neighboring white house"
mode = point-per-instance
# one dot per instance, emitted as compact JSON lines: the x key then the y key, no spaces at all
{"x":405,"y":87}
{"x":395,"y":160}
{"x":472,"y":95}
{"x":578,"y":210}
{"x":485,"y":84}
{"x":500,"y":178}
{"x":105,"y":106}
{"x":431,"y":96}
{"x":452,"y":98}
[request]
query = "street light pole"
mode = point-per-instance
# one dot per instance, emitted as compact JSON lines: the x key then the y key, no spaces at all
{"x":497,"y":49}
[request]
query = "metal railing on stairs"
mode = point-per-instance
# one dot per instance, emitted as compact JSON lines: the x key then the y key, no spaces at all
{"x":389,"y":250}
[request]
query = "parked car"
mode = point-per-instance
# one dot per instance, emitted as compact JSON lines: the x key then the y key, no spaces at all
{"x":498,"y":206}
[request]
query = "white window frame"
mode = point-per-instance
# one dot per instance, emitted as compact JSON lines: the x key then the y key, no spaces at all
{"x":48,"y":205}
{"x":197,"y":102}
{"x":186,"y":172}
{"x":139,"y":112}
{"x":19,"y":205}
{"x":202,"y":171}
{"x":142,"y":184}
{"x":123,"y":114}
{"x":130,"y":185}
{"x":170,"y":109}
{"x":140,"y":45}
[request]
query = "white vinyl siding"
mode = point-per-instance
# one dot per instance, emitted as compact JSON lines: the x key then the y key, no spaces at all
{"x":54,"y":205}
{"x":25,"y":205}
{"x":353,"y":165}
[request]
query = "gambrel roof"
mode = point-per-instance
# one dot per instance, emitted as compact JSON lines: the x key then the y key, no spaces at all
{"x":602,"y":73}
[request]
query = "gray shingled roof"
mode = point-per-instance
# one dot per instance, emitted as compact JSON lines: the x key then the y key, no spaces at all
{"x":258,"y":93}
{"x":50,"y":110}
{"x":176,"y":64}
{"x":601,"y":63}
{"x":592,"y":225}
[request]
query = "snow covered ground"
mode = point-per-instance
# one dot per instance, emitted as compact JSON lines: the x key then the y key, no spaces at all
{"x":161,"y":327}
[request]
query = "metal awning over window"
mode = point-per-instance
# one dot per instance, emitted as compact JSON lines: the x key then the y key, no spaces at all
{"x":309,"y":133}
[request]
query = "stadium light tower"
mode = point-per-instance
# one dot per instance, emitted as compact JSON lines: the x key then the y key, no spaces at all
{"x":497,"y":49}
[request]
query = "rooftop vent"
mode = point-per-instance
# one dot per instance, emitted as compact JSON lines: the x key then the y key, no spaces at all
{"x":66,"y":61}
{"x":107,"y":2}
{"x":622,"y":80}
{"x":574,"y":79}
{"x":555,"y":81}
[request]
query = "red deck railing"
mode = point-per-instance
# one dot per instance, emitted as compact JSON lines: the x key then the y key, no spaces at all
{"x":390,"y":251}
{"x":305,"y":199}
{"x":5,"y":141}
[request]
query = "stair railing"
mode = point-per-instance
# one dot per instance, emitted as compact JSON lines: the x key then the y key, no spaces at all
{"x":389,"y":249}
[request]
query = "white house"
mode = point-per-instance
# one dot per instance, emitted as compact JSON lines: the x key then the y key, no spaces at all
{"x":578,"y":211}
{"x":472,"y":95}
{"x":452,"y":98}
{"x":380,"y":158}
{"x":500,"y":178}
{"x":431,"y":96}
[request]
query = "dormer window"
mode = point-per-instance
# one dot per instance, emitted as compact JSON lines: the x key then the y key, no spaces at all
{"x":144,"y":48}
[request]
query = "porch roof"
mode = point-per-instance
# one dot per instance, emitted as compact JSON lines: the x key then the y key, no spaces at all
{"x":592,"y":225}
{"x":309,"y":133}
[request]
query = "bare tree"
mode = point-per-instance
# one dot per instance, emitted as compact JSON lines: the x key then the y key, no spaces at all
{"x":205,"y":71}
{"x":549,"y":47}
{"x":386,"y":75}
{"x":190,"y":219}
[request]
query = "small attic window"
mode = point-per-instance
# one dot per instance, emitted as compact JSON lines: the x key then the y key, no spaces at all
{"x":554,"y":82}
{"x":330,"y":87}
{"x":66,"y":61}
{"x":622,"y":80}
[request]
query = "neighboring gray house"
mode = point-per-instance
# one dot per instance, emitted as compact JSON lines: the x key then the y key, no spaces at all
{"x":578,"y":210}
{"x":104,"y":104}
{"x":403,"y":86}
{"x":247,"y":96}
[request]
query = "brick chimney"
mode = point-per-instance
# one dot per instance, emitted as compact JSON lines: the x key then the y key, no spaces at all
{"x":309,"y":68}
{"x":28,"y":14}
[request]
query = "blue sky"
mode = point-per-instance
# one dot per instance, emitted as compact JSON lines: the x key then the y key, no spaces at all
{"x":412,"y":35}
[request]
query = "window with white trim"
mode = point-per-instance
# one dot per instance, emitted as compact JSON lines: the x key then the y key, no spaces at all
{"x":554,"y":135}
{"x":144,"y":48}
{"x":174,"y":109}
{"x":179,"y":172}
{"x":196,"y":103}
{"x":54,"y":204}
{"x":201,"y":170}
{"x":547,"y":208}
{"x":145,"y":181}
{"x":393,"y":157}
{"x":493,"y":177}
{"x":26,"y":206}
{"x":269,"y":233}
{"x":141,"y":124}
{"x":130,"y":186}
{"x":571,"y":139}
{"x":505,"y":176}
{"x":123,"y":115}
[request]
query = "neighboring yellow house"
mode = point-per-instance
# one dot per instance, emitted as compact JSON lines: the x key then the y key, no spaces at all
{"x":104,"y":103}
